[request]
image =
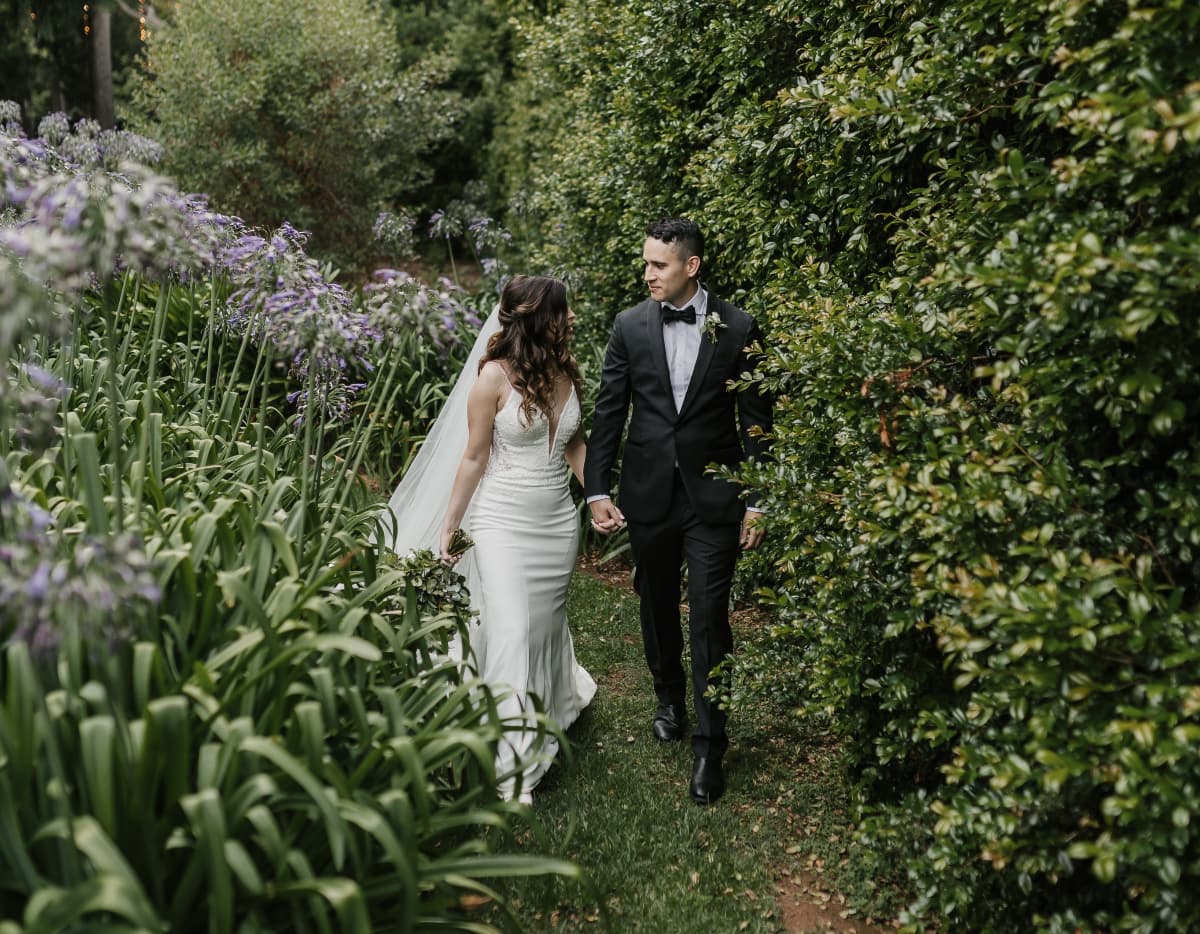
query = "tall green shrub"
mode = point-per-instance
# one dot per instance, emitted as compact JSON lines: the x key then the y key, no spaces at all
{"x":469,"y":40}
{"x":303,"y":112}
{"x":971,"y":231}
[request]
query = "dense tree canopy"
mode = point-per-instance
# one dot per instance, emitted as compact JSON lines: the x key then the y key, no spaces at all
{"x":47,"y":52}
{"x":471,"y":43}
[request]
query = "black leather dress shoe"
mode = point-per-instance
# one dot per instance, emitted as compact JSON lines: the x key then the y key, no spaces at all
{"x":708,"y":781}
{"x":668,"y":723}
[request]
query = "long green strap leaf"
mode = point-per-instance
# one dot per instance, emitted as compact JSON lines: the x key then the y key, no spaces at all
{"x":343,"y":894}
{"x":208,"y":824}
{"x":335,"y":827}
{"x":97,"y":736}
{"x":88,"y":465}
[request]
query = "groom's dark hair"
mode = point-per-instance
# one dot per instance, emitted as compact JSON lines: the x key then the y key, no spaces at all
{"x":680,"y":231}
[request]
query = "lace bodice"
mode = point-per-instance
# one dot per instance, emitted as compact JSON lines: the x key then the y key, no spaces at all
{"x":526,"y":453}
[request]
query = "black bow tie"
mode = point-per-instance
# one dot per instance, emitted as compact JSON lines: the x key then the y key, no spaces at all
{"x":687,"y":315}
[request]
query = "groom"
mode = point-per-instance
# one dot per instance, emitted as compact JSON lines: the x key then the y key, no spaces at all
{"x":670,"y":358}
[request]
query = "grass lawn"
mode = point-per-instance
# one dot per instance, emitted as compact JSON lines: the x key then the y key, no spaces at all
{"x":765,"y":858}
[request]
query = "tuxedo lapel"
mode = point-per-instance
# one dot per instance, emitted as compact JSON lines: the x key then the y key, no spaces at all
{"x":658,"y":349}
{"x":703,"y":358}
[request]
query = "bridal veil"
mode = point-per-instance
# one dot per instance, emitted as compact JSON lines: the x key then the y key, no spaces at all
{"x":414,"y":513}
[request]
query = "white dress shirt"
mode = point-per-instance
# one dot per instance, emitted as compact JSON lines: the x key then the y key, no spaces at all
{"x":682,"y":342}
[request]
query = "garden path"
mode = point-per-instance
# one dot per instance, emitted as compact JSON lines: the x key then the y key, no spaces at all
{"x":773,"y":856}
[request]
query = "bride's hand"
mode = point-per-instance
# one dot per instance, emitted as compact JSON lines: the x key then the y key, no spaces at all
{"x":606,"y":517}
{"x":444,"y":547}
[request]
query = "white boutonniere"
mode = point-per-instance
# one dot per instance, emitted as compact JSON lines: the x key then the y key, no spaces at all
{"x":711,"y":327}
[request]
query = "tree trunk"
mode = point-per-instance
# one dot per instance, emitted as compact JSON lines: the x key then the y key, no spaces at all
{"x":102,"y":78}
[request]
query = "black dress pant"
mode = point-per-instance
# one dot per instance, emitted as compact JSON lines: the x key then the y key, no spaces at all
{"x":711,"y":552}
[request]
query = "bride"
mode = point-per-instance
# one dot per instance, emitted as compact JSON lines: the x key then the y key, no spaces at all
{"x":520,"y":428}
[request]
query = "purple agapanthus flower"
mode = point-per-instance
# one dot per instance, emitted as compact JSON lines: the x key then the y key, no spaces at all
{"x":54,"y":128}
{"x":33,"y":404}
{"x":51,"y":582}
{"x":282,"y":300}
{"x":72,"y":220}
{"x":403,"y":310}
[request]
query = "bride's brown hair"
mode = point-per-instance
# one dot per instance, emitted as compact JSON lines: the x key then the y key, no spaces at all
{"x":532,"y":340}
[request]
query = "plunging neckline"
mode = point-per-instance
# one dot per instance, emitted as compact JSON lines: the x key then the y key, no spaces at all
{"x":559,"y":417}
{"x":553,"y":423}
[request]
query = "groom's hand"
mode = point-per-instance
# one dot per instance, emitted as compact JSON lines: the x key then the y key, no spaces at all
{"x":752,"y":530}
{"x":606,"y":517}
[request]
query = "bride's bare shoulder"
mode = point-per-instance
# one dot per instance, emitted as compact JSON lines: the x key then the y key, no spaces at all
{"x":495,"y":373}
{"x":494,"y":382}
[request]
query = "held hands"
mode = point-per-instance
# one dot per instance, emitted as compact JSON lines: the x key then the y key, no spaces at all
{"x":606,"y":517}
{"x":752,"y":530}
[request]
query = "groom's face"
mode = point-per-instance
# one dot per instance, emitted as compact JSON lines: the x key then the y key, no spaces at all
{"x":670,"y":276}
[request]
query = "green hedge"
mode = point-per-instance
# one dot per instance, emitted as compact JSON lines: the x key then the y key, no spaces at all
{"x":971,"y":231}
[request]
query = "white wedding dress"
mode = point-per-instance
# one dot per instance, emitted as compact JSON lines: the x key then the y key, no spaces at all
{"x":526,"y":540}
{"x":526,"y":534}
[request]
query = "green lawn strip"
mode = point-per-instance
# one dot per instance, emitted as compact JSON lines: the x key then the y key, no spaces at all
{"x":652,"y":860}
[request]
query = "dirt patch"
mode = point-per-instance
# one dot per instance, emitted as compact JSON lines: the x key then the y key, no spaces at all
{"x":616,"y":681}
{"x":617,"y":572}
{"x":750,"y":616}
{"x":806,"y":905}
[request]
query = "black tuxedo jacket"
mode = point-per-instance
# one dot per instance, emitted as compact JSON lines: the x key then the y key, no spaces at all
{"x":713,"y":426}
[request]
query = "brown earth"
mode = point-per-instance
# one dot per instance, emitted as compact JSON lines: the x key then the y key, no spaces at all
{"x":808,"y":906}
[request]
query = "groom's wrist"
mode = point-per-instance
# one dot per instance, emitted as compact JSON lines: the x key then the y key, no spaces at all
{"x":596,"y":497}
